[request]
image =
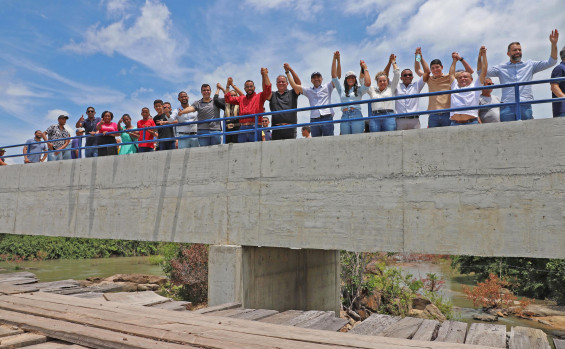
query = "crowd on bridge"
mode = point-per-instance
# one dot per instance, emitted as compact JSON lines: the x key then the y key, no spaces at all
{"x":239,"y":105}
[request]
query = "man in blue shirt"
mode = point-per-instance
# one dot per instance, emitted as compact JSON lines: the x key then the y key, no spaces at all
{"x":517,"y":70}
{"x":32,"y":146}
{"x":558,"y":88}
{"x":89,"y":126}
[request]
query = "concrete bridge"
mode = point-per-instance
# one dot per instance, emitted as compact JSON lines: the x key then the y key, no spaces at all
{"x":488,"y":190}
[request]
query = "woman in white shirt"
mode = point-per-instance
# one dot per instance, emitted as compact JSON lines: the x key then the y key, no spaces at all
{"x":350,"y":92}
{"x":383,"y":90}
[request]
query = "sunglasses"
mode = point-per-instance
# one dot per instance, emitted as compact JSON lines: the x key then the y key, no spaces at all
{"x":90,"y":111}
{"x":406,"y":75}
{"x":488,"y":84}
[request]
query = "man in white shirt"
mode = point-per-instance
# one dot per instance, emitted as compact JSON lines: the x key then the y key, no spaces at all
{"x":488,"y":115}
{"x":407,"y":87}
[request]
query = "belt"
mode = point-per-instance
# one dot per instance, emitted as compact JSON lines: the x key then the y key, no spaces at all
{"x":383,"y":111}
{"x":465,"y":122}
{"x":187,"y":133}
{"x":349,"y":109}
{"x":409,"y":117}
{"x":247,"y":123}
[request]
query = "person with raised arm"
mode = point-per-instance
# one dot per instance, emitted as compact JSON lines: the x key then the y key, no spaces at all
{"x":350,"y":92}
{"x":251,"y":103}
{"x":230,"y":110}
{"x":468,"y":98}
{"x":282,"y":99}
{"x":437,"y":81}
{"x":127,"y":136}
{"x":384,"y":90}
{"x":407,"y":87}
{"x":206,"y":110}
{"x":517,"y":70}
{"x":318,"y":95}
{"x":89,"y":125}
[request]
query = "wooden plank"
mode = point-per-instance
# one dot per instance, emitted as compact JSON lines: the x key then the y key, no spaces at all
{"x":21,"y":340}
{"x":334,"y":324}
{"x":6,"y":288}
{"x":374,"y":324}
{"x":145,"y":298}
{"x":9,"y":331}
{"x":304,"y":317}
{"x":323,"y":317}
{"x":283,"y":317}
{"x":490,"y":335}
{"x":405,"y":328}
{"x":56,"y":344}
{"x":186,"y":319}
{"x":559,"y":343}
{"x":231,"y":312}
{"x":91,"y":295}
{"x":54,"y":286}
{"x":452,"y":332}
{"x":256,"y":314}
{"x":427,"y":331}
{"x":527,"y":338}
{"x":225,"y":306}
{"x":173,"y":305}
{"x":18,"y":278}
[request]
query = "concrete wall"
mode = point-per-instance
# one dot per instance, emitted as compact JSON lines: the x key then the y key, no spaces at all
{"x":491,"y":190}
{"x":225,"y":278}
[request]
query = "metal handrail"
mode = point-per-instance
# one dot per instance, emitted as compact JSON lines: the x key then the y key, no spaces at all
{"x":258,"y":129}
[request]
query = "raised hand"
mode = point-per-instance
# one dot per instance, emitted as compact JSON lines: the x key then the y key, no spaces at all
{"x":218,"y":86}
{"x":230,"y":81}
{"x":264,"y":71}
{"x":418,"y":51}
{"x":286,"y":67}
{"x":483,"y":51}
{"x":455,"y":56}
{"x":81,"y":118}
{"x":362,"y":64}
{"x":392,"y":58}
{"x":336,"y":55}
{"x":554,"y":36}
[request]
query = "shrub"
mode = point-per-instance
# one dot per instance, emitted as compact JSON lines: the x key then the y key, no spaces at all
{"x":188,"y":268}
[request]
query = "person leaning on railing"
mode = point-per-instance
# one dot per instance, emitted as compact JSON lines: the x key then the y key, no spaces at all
{"x":33,"y":146}
{"x":89,"y":125}
{"x":384,"y":90}
{"x":405,"y":88}
{"x":350,"y":92}
{"x":127,"y":136}
{"x":282,"y":99}
{"x":467,"y":98}
{"x":517,"y":70}
{"x":55,"y":132}
{"x":103,"y":128}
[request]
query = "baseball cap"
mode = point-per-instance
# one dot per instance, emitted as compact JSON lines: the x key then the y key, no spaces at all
{"x":315,"y":73}
{"x":63,"y":117}
{"x":2,"y":149}
{"x":349,"y":73}
{"x":80,"y":129}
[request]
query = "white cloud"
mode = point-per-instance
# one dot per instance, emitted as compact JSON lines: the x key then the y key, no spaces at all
{"x":116,"y":8}
{"x":303,"y":9}
{"x":148,"y":40}
{"x":53,"y":115}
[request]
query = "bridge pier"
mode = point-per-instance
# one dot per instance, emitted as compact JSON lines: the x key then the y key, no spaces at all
{"x":274,"y":278}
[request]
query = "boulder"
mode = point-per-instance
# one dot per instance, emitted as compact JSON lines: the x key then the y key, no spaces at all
{"x":433,"y":313}
{"x":138,"y":278}
{"x":416,"y":313}
{"x":371,"y":301}
{"x":485,"y":317}
{"x":148,"y":287}
{"x":420,"y":302}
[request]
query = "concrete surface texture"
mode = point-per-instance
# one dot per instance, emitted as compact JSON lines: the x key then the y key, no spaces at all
{"x":489,"y":190}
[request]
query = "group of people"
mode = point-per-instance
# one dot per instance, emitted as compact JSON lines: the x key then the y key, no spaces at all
{"x":238,"y":105}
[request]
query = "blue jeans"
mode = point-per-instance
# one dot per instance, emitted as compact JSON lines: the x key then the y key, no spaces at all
{"x":92,"y":152}
{"x":144,"y":149}
{"x":248,"y":136}
{"x":352,"y":127}
{"x":508,"y":113}
{"x":63,"y":155}
{"x":383,"y":123}
{"x":560,"y":115}
{"x":211,"y":140}
{"x":322,"y":130}
{"x":455,"y":123}
{"x":167,"y":145}
{"x":188,"y":142}
{"x":439,"y":120}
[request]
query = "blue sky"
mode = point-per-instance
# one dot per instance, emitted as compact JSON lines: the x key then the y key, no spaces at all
{"x":119,"y":55}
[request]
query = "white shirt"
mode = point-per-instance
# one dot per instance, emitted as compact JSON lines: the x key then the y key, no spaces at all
{"x":185,"y":118}
{"x":465,"y":99}
{"x":374,"y":92}
{"x":408,"y":105}
{"x":318,"y":96}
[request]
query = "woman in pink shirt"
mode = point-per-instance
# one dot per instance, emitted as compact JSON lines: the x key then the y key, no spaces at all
{"x":103,"y":127}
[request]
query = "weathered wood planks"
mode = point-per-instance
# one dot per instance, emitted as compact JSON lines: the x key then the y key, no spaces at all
{"x":559,"y":343}
{"x":527,"y":338}
{"x":405,"y":328}
{"x":427,"y":331}
{"x":374,"y":324}
{"x":145,"y":298}
{"x":452,"y":332}
{"x":21,"y":340}
{"x":489,"y":335}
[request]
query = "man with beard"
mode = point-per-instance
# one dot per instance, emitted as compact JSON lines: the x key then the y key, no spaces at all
{"x":517,"y":70}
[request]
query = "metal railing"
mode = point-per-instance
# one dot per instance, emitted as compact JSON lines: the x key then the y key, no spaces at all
{"x":258,"y":130}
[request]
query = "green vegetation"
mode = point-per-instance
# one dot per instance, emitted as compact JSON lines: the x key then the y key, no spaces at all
{"x":538,"y":278}
{"x":28,"y":247}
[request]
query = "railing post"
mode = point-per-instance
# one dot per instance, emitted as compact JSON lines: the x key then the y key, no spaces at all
{"x":256,"y":128}
{"x":224,"y":131}
{"x":517,"y":100}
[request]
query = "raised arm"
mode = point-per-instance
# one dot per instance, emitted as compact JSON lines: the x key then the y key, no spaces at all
{"x":391,"y":59}
{"x":219,"y":88}
{"x":336,"y":66}
{"x":267,"y":88}
{"x":295,"y":86}
{"x":80,"y":121}
{"x":426,"y":67}
{"x":364,"y":74}
{"x":189,"y":109}
{"x":395,"y":75}
{"x":287,"y":67}
{"x":553,"y":37}
{"x":455,"y":57}
{"x":417,"y":67}
{"x":467,"y":66}
{"x":484,"y":64}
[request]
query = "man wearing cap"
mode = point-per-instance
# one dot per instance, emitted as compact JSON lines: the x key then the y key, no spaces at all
{"x":76,"y":144}
{"x":55,"y":132}
{"x":32,"y":146}
{"x":318,"y":95}
{"x":2,"y":160}
{"x":89,"y":126}
{"x":283,"y":99}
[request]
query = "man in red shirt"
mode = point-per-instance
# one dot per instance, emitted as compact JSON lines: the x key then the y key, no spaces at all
{"x":251,"y":103}
{"x":146,"y":135}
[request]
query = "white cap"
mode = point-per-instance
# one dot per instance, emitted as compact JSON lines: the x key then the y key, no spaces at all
{"x":349,"y":73}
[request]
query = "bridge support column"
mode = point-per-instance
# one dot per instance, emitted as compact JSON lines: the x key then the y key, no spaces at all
{"x":275,"y":278}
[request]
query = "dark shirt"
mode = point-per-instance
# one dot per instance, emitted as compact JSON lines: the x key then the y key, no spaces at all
{"x":558,"y":72}
{"x":287,"y":100}
{"x":76,"y":143}
{"x":90,"y":126}
{"x":206,"y":111}
{"x":164,"y":132}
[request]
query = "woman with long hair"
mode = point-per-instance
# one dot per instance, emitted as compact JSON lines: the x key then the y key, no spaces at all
{"x":350,"y":92}
{"x":127,"y":136}
{"x":384,"y":89}
{"x":104,"y":127}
